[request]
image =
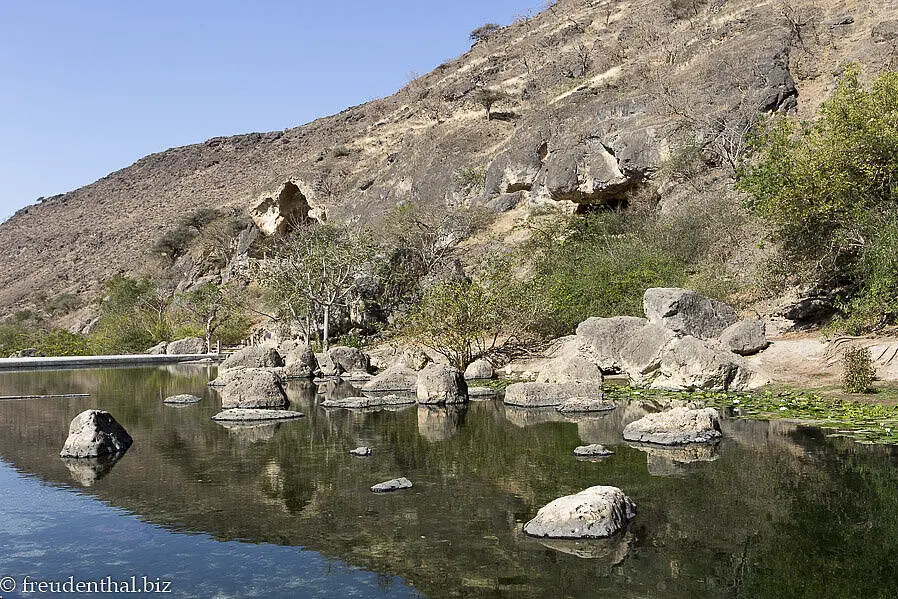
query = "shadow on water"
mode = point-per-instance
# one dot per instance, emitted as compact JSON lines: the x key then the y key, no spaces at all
{"x":774,"y":510}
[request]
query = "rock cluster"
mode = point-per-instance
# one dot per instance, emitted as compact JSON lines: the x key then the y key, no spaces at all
{"x":686,"y":342}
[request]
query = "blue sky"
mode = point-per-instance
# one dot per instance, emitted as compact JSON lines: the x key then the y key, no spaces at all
{"x":88,"y":87}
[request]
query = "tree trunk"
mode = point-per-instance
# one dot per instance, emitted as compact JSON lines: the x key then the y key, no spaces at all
{"x":325,"y":341}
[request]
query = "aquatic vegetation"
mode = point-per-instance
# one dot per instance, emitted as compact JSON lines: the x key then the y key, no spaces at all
{"x":864,"y":422}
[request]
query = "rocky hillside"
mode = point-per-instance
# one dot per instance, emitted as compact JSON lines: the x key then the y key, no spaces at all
{"x":586,"y":103}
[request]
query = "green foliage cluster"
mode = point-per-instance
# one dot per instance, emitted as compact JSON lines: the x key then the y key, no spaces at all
{"x":485,"y":32}
{"x":598,"y":265}
{"x":859,"y":372}
{"x":470,"y":178}
{"x":26,"y":329}
{"x":463,"y":320}
{"x":829,"y":189}
{"x":174,"y":243}
{"x":137,"y":314}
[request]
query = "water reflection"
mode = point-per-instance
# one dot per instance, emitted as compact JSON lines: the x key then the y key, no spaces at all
{"x":87,"y":471}
{"x":774,"y":510}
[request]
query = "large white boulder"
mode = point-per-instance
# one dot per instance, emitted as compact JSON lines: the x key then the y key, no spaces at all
{"x":252,"y":357}
{"x":687,"y":312}
{"x":607,"y":336}
{"x":479,"y":370}
{"x":440,"y":384}
{"x":253,"y":388}
{"x":596,"y":512}
{"x":678,"y":426}
{"x":746,"y":337}
{"x":396,"y":378}
{"x":690,"y":364}
{"x":350,"y":359}
{"x":187,"y":346}
{"x":537,"y":395}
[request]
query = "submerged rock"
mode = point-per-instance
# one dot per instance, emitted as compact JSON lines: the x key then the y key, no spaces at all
{"x":583,"y":405}
{"x":392,"y":485}
{"x":481,"y":393}
{"x":535,"y":395}
{"x":678,"y":426}
{"x":247,"y":415}
{"x":374,"y":401}
{"x":183,"y":399}
{"x":592,"y":451}
{"x":596,"y":512}
{"x":439,"y":384}
{"x":94,"y":433}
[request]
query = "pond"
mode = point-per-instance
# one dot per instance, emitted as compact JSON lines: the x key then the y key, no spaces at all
{"x":282,"y":510}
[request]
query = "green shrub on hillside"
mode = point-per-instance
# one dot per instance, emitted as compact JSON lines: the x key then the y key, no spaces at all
{"x":599,"y":266}
{"x":828,"y":189}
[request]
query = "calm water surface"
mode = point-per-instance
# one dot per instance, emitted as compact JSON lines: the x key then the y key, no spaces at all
{"x":282,"y":510}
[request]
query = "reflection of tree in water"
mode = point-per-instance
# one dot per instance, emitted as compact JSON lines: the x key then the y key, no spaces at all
{"x":776,"y":500}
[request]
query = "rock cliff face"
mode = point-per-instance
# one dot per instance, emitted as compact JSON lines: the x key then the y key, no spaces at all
{"x":590,"y":97}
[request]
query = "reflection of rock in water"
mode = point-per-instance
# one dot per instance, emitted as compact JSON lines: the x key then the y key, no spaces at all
{"x":611,"y":551}
{"x":251,"y":433}
{"x":761,"y":434}
{"x":300,"y":392}
{"x":337,"y":389}
{"x":87,"y":471}
{"x":676,"y":461}
{"x":524,"y":417}
{"x":439,"y":423}
{"x":605,"y":428}
{"x":190,"y":370}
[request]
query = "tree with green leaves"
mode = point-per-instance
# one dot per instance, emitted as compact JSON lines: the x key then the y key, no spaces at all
{"x":313,"y":275}
{"x":829,"y":190}
{"x":215,"y":308}
{"x":465,"y":319}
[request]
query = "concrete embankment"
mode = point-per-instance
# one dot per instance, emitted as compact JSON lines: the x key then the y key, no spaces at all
{"x":63,"y":362}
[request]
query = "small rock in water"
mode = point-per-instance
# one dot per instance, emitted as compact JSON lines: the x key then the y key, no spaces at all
{"x":248,"y":414}
{"x":592,"y":451}
{"x":361,"y":451}
{"x":392,"y":485}
{"x":182,"y":399}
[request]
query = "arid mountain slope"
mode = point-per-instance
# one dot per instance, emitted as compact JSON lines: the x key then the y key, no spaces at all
{"x":596,"y":95}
